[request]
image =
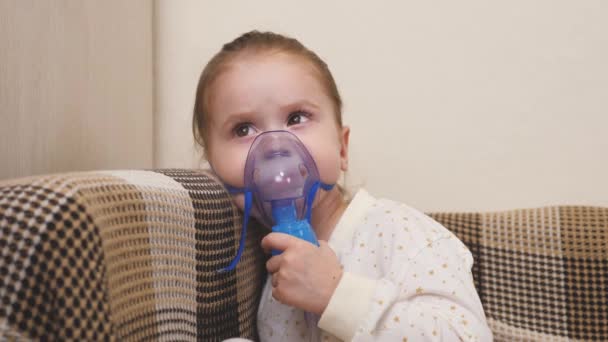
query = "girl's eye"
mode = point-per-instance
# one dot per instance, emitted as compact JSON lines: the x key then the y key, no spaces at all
{"x":243,"y":130}
{"x":297,"y":118}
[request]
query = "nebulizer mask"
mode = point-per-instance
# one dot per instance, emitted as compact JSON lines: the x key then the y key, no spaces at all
{"x":281,"y":182}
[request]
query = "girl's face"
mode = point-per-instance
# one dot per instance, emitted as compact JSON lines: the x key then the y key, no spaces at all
{"x":272,"y":91}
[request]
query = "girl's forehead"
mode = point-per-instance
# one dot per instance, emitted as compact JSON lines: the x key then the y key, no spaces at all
{"x":273,"y":59}
{"x":252,"y":79}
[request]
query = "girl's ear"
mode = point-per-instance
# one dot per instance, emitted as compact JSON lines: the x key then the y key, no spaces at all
{"x":344,"y":137}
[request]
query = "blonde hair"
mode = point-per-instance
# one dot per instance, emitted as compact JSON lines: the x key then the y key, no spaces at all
{"x":256,"y":42}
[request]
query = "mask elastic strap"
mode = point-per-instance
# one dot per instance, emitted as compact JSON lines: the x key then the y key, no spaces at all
{"x":247,"y":211}
{"x":234,"y":190}
{"x":311,"y":196}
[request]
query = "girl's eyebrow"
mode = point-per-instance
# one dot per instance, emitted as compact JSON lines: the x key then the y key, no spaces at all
{"x":237,"y":118}
{"x":299,"y":104}
{"x":247,"y":116}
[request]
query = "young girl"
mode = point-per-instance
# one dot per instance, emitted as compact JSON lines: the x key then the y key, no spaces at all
{"x":383,"y":271}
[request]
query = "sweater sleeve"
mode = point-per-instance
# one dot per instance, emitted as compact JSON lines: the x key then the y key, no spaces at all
{"x":425,"y":296}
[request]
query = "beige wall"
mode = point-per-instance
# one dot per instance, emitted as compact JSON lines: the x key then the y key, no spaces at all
{"x":75,"y":86}
{"x":453,"y":105}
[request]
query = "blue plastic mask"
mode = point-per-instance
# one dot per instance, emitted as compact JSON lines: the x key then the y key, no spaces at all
{"x":281,"y":182}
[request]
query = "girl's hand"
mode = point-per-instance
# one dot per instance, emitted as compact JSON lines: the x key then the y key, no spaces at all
{"x":304,"y":275}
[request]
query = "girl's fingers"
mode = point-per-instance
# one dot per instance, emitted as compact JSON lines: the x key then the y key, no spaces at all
{"x":273,"y":264}
{"x":278,"y":241}
{"x":275,"y":280}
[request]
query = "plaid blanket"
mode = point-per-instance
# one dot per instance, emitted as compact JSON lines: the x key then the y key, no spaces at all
{"x":124,"y":255}
{"x":541,"y":274}
{"x":131,"y":255}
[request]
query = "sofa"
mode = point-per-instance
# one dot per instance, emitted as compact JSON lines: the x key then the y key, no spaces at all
{"x":133,"y":255}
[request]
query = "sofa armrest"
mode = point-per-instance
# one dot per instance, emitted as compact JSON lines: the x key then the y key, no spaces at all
{"x":126,"y":255}
{"x":541,"y":273}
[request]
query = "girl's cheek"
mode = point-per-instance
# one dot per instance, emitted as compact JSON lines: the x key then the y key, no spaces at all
{"x":328,"y":164}
{"x":229,"y":163}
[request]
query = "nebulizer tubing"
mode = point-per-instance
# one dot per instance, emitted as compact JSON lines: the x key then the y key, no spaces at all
{"x":239,"y":253}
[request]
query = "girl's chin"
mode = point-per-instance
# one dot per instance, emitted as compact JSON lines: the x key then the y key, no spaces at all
{"x":239,"y":201}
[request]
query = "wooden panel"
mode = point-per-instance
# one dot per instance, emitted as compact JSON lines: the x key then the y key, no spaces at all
{"x":75,"y":86}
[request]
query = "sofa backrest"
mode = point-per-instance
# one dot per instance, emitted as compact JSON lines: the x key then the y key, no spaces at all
{"x":125,"y":255}
{"x":541,"y":274}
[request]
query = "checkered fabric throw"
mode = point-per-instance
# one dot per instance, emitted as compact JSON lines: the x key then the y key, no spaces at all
{"x":124,"y":255}
{"x":541,"y":274}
